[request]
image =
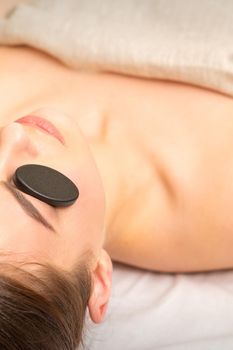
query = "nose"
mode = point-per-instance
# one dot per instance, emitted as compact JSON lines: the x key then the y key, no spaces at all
{"x":15,"y":146}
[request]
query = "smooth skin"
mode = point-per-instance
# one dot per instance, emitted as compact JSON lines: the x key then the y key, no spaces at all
{"x":152,"y":160}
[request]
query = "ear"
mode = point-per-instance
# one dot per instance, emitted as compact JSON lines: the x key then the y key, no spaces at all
{"x":102,"y":282}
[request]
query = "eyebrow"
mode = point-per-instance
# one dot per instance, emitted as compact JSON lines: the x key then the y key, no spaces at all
{"x":27,"y":206}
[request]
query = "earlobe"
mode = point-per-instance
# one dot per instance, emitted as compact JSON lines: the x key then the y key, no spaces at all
{"x":102,"y":281}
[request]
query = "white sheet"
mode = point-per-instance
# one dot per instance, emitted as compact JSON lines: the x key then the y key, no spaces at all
{"x":153,"y":311}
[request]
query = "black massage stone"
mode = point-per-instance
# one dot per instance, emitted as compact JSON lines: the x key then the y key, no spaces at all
{"x":46,"y":184}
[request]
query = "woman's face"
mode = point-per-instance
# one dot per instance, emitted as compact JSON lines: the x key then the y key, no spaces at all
{"x":79,"y":227}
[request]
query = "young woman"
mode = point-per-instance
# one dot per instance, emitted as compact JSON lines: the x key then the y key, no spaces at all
{"x":153,"y":164}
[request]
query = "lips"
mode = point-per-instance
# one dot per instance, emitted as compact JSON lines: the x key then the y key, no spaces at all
{"x":43,"y":124}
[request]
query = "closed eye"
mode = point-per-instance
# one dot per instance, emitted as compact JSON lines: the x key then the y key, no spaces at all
{"x":27,"y":206}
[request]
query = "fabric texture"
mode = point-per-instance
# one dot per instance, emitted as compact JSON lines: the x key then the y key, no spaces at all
{"x":180,"y":40}
{"x":158,"y":311}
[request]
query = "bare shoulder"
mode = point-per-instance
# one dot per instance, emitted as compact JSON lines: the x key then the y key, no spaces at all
{"x":176,"y":214}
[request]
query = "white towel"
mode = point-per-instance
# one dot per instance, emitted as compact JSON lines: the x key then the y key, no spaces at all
{"x":182,"y":40}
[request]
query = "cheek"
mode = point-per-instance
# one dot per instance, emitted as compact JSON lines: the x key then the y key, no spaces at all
{"x":91,"y":201}
{"x":84,"y":173}
{"x":83,"y":221}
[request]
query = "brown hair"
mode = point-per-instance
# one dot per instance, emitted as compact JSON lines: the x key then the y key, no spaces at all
{"x":43,"y":310}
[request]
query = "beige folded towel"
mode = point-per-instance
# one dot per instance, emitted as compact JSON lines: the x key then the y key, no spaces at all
{"x":183,"y":40}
